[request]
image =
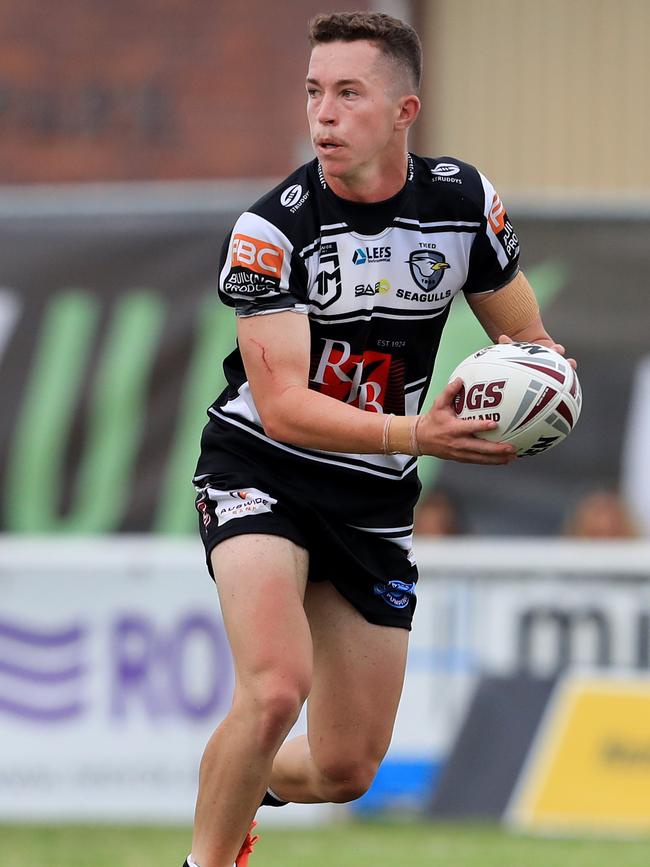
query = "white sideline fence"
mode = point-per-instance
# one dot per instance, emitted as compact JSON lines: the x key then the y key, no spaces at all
{"x":114,"y":667}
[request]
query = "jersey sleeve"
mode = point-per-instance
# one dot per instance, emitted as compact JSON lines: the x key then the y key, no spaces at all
{"x":494,"y":258}
{"x":260,"y":272}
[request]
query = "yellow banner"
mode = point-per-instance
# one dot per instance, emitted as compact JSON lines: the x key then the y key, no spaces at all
{"x":589,"y":765}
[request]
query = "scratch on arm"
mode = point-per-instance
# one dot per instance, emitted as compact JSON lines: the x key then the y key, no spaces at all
{"x":262,"y":349}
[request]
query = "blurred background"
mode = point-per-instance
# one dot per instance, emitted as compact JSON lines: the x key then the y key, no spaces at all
{"x":131,"y":137}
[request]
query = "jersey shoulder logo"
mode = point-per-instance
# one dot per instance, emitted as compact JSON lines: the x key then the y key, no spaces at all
{"x":503,"y":228}
{"x":445,"y":169}
{"x":257,"y":255}
{"x":293,"y":197}
{"x":446,"y":172}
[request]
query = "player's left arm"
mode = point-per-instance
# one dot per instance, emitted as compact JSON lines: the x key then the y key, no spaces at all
{"x":511,"y":313}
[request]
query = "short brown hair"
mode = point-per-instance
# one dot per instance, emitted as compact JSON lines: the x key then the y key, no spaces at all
{"x":395,"y":38}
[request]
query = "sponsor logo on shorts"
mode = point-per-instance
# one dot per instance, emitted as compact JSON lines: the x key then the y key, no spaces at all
{"x":202,"y":508}
{"x":239,"y":504}
{"x":395,"y":593}
{"x":257,"y":255}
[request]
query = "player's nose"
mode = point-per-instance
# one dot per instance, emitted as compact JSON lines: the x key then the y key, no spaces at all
{"x":326,"y":113}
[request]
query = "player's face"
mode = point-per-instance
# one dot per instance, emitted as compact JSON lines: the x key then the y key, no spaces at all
{"x":351,"y":106}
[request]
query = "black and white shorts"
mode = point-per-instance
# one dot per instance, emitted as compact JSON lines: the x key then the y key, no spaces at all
{"x":373,"y":567}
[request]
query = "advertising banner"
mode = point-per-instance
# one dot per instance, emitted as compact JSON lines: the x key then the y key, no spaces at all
{"x":114,"y":671}
{"x":114,"y":667}
{"x":588,"y":769}
{"x":112,"y":340}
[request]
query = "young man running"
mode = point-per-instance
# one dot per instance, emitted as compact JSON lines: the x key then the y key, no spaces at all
{"x":341,"y":279}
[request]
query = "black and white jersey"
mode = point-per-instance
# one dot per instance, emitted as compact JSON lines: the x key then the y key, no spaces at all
{"x":376,"y":281}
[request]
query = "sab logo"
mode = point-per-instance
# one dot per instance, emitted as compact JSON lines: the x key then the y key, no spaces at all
{"x":381,"y":287}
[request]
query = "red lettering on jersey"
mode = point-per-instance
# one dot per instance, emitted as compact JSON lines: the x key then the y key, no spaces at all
{"x":360,"y":380}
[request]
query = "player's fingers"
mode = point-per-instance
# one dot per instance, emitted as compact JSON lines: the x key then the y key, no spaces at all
{"x":449,"y":392}
{"x":503,"y":338}
{"x":484,"y":447}
{"x":479,"y":458}
{"x":469,"y":426}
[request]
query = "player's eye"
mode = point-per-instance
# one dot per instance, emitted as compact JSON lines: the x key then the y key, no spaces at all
{"x":348,"y":94}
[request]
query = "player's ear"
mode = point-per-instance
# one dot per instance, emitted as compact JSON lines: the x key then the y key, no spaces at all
{"x":408,"y":110}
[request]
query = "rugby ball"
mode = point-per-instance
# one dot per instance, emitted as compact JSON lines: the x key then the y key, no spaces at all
{"x":531,"y":392}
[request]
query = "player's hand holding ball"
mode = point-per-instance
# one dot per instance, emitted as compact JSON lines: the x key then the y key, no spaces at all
{"x":443,"y":434}
{"x":504,"y":401}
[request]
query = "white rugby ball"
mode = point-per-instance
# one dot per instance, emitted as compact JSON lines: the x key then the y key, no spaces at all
{"x":531,"y":392}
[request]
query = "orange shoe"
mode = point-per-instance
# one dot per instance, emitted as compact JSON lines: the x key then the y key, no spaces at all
{"x":247,"y":847}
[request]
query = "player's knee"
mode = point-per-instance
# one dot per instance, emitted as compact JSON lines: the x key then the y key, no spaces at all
{"x":275,"y":703}
{"x":347,"y":779}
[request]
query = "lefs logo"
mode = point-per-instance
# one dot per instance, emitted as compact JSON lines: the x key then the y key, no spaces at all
{"x":362,"y":255}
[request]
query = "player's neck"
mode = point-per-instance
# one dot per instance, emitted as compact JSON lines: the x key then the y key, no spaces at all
{"x":370,"y":184}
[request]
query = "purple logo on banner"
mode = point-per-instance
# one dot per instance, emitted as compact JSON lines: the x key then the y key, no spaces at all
{"x":42,"y":672}
{"x":151,"y":669}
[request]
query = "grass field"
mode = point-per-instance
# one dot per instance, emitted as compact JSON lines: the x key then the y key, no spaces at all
{"x":345,"y":845}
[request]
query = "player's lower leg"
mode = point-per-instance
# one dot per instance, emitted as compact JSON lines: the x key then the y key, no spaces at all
{"x":233,"y":777}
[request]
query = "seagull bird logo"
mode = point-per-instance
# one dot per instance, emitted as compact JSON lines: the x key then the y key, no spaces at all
{"x":427,"y":268}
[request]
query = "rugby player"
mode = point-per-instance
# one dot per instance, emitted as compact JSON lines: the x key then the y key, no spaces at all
{"x":341,"y":279}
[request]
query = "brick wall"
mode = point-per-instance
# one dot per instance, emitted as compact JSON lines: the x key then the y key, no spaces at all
{"x":145,"y":89}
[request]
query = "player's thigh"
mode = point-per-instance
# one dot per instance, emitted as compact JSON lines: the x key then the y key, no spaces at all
{"x":357,"y":680}
{"x":261,"y":583}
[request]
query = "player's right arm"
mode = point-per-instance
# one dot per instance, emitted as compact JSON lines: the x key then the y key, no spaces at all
{"x":275,"y":351}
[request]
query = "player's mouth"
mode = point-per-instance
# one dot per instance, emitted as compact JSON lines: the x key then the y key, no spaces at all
{"x":328,"y":146}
